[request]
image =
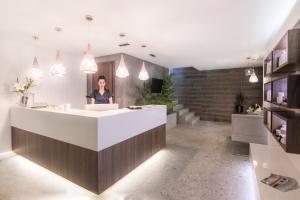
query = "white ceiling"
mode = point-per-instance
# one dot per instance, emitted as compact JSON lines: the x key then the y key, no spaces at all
{"x":205,"y":34}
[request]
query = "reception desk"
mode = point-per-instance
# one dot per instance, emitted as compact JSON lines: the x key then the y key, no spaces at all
{"x":90,"y":148}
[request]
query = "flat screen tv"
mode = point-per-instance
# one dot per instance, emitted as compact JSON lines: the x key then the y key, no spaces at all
{"x":156,"y":85}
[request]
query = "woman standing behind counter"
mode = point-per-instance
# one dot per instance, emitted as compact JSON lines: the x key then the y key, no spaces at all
{"x":101,"y":95}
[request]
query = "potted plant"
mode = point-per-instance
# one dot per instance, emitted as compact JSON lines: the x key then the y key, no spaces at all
{"x":239,"y":103}
{"x":23,"y":89}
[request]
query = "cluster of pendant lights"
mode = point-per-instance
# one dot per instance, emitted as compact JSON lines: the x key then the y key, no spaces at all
{"x":87,"y":65}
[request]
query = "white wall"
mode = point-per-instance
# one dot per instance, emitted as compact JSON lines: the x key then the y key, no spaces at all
{"x":289,"y":23}
{"x":16,"y":59}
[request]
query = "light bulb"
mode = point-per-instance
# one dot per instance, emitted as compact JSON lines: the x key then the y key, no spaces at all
{"x":35,"y":71}
{"x":253,"y":78}
{"x":143,"y":73}
{"x":58,"y":69}
{"x":88,"y":64}
{"x":122,"y":71}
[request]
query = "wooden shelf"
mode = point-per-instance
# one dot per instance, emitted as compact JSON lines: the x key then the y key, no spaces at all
{"x":286,"y":54}
{"x":291,"y":121}
{"x":286,"y":91}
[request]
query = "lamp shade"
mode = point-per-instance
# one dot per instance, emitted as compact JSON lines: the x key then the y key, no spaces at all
{"x":143,"y":75}
{"x":88,"y":64}
{"x":58,"y":69}
{"x":122,"y":70}
{"x":253,"y":78}
{"x":35,"y":71}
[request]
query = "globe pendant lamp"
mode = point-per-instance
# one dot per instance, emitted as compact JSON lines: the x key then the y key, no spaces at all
{"x":253,"y":78}
{"x":122,"y":70}
{"x":143,"y":75}
{"x":35,"y":72}
{"x":88,"y":64}
{"x":58,"y":69}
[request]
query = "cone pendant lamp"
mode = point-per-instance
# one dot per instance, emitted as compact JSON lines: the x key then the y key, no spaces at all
{"x":143,"y":75}
{"x":35,"y":71}
{"x":58,"y":69}
{"x":122,"y":70}
{"x":88,"y":64}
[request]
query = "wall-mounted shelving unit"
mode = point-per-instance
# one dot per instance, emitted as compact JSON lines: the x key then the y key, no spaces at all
{"x":286,"y":130}
{"x":285,"y":57}
{"x":282,"y":91}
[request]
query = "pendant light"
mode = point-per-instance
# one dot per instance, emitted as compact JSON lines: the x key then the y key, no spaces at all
{"x":88,"y":64}
{"x":253,"y":78}
{"x":58,"y":69}
{"x":143,"y":75}
{"x":35,"y":71}
{"x":122,"y":70}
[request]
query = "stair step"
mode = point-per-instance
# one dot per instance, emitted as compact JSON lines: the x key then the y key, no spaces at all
{"x":193,"y":120}
{"x":189,"y":115}
{"x":183,"y":111}
{"x":178,"y":107}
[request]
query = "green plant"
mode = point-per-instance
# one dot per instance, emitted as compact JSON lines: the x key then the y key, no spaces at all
{"x":167,"y":87}
{"x":165,"y":98}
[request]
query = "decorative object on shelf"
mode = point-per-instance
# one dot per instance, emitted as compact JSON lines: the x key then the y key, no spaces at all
{"x":254,"y":109}
{"x":143,"y":75}
{"x":23,"y":89}
{"x":88,"y":64}
{"x":122,"y":70}
{"x":35,"y":72}
{"x":239,"y":108}
{"x":282,"y":59}
{"x":58,"y":69}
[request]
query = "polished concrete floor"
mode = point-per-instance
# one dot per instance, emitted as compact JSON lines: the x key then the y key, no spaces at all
{"x":197,"y":164}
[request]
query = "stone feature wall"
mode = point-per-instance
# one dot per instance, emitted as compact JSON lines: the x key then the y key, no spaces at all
{"x":212,"y":94}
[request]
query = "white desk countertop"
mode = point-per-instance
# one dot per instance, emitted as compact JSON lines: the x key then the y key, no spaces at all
{"x":95,"y":130}
{"x":269,"y":159}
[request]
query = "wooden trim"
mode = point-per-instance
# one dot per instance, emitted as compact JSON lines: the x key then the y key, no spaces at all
{"x":95,"y":171}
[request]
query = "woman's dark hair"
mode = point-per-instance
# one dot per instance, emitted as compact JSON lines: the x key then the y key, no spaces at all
{"x":101,"y":77}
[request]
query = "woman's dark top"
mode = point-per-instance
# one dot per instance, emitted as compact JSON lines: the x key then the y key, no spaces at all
{"x":101,"y":99}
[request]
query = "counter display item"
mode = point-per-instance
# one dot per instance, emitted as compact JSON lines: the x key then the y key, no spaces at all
{"x":282,"y":183}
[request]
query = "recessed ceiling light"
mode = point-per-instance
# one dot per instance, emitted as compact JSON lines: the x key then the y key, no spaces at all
{"x":124,"y":44}
{"x":143,"y":46}
{"x":152,"y":55}
{"x":122,"y":34}
{"x":58,"y":29}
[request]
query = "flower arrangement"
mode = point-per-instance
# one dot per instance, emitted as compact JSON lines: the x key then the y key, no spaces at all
{"x":23,"y":88}
{"x":254,"y":109}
